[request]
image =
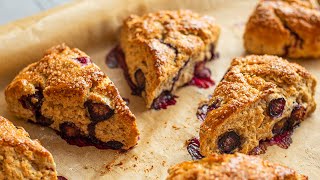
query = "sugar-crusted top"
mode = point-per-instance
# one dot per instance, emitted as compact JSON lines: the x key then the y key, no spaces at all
{"x":294,"y":23}
{"x":232,"y":166}
{"x":10,"y":135}
{"x":60,"y":67}
{"x":161,"y":43}
{"x":252,"y":78}
{"x":172,"y":37}
{"x":312,"y":4}
{"x":285,"y":11}
{"x":161,"y":24}
{"x":66,"y":72}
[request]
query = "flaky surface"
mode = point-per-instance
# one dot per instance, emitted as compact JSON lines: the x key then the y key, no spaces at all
{"x":242,"y":102}
{"x":63,"y":85}
{"x":21,"y":157}
{"x":236,"y":166}
{"x":285,"y":28}
{"x":163,"y":43}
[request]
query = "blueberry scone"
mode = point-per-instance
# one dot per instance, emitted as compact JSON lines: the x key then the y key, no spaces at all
{"x":165,"y":50}
{"x":284,"y":28}
{"x":232,"y":166}
{"x":21,"y":157}
{"x":69,"y":93}
{"x":258,"y":98}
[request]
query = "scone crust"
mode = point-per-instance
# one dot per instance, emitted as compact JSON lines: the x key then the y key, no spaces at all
{"x":66,"y":85}
{"x":235,"y":166}
{"x":284,"y":28}
{"x":21,"y":157}
{"x":161,"y":43}
{"x":243,"y":96}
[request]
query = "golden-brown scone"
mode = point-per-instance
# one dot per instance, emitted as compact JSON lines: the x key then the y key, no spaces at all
{"x":258,"y":98}
{"x":232,"y":166}
{"x":68,"y":92}
{"x":21,"y":157}
{"x":162,"y":49}
{"x":284,"y":28}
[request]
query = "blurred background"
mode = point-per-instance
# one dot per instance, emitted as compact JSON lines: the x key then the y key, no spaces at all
{"x":11,"y":10}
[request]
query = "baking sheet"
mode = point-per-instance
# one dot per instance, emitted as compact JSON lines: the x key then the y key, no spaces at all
{"x":93,"y":26}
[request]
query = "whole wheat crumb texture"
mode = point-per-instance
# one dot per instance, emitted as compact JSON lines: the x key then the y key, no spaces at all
{"x":21,"y":157}
{"x":235,"y":166}
{"x":285,"y":28}
{"x":259,"y":97}
{"x":68,"y":92}
{"x":162,"y":48}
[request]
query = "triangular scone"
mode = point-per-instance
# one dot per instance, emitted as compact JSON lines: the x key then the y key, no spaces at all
{"x":21,"y":157}
{"x":232,"y":166}
{"x":284,"y":28}
{"x":69,"y":93}
{"x":259,"y":97}
{"x":162,"y":50}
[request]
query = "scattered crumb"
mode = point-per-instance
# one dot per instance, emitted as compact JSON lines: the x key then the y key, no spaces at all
{"x":175,"y":127}
{"x":163,"y":163}
{"x":119,"y":164}
{"x":108,"y":167}
{"x":148,"y":169}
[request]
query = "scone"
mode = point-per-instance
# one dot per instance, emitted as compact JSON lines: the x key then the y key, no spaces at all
{"x":21,"y":157}
{"x":259,"y":98}
{"x":232,"y":166}
{"x":68,"y":92}
{"x":284,"y":28}
{"x":165,"y":50}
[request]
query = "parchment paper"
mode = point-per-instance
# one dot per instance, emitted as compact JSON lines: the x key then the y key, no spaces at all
{"x":93,"y":26}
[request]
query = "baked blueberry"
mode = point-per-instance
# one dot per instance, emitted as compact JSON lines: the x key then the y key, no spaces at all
{"x":83,"y":60}
{"x":98,"y":111}
{"x":32,"y":102}
{"x":228,"y":142}
{"x":193,"y":148}
{"x":276,"y":107}
{"x":205,"y":108}
{"x":298,"y":113}
{"x":164,"y":100}
{"x":140,"y":79}
{"x":69,"y":130}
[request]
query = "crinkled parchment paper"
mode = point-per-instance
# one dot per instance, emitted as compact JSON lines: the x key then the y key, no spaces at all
{"x":93,"y":26}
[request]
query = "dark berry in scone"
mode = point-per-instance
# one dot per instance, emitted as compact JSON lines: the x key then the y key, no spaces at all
{"x":232,"y":166}
{"x":284,"y":28}
{"x":68,"y":92}
{"x":165,"y":50}
{"x":22,"y":157}
{"x":260,"y":98}
{"x":193,"y":147}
